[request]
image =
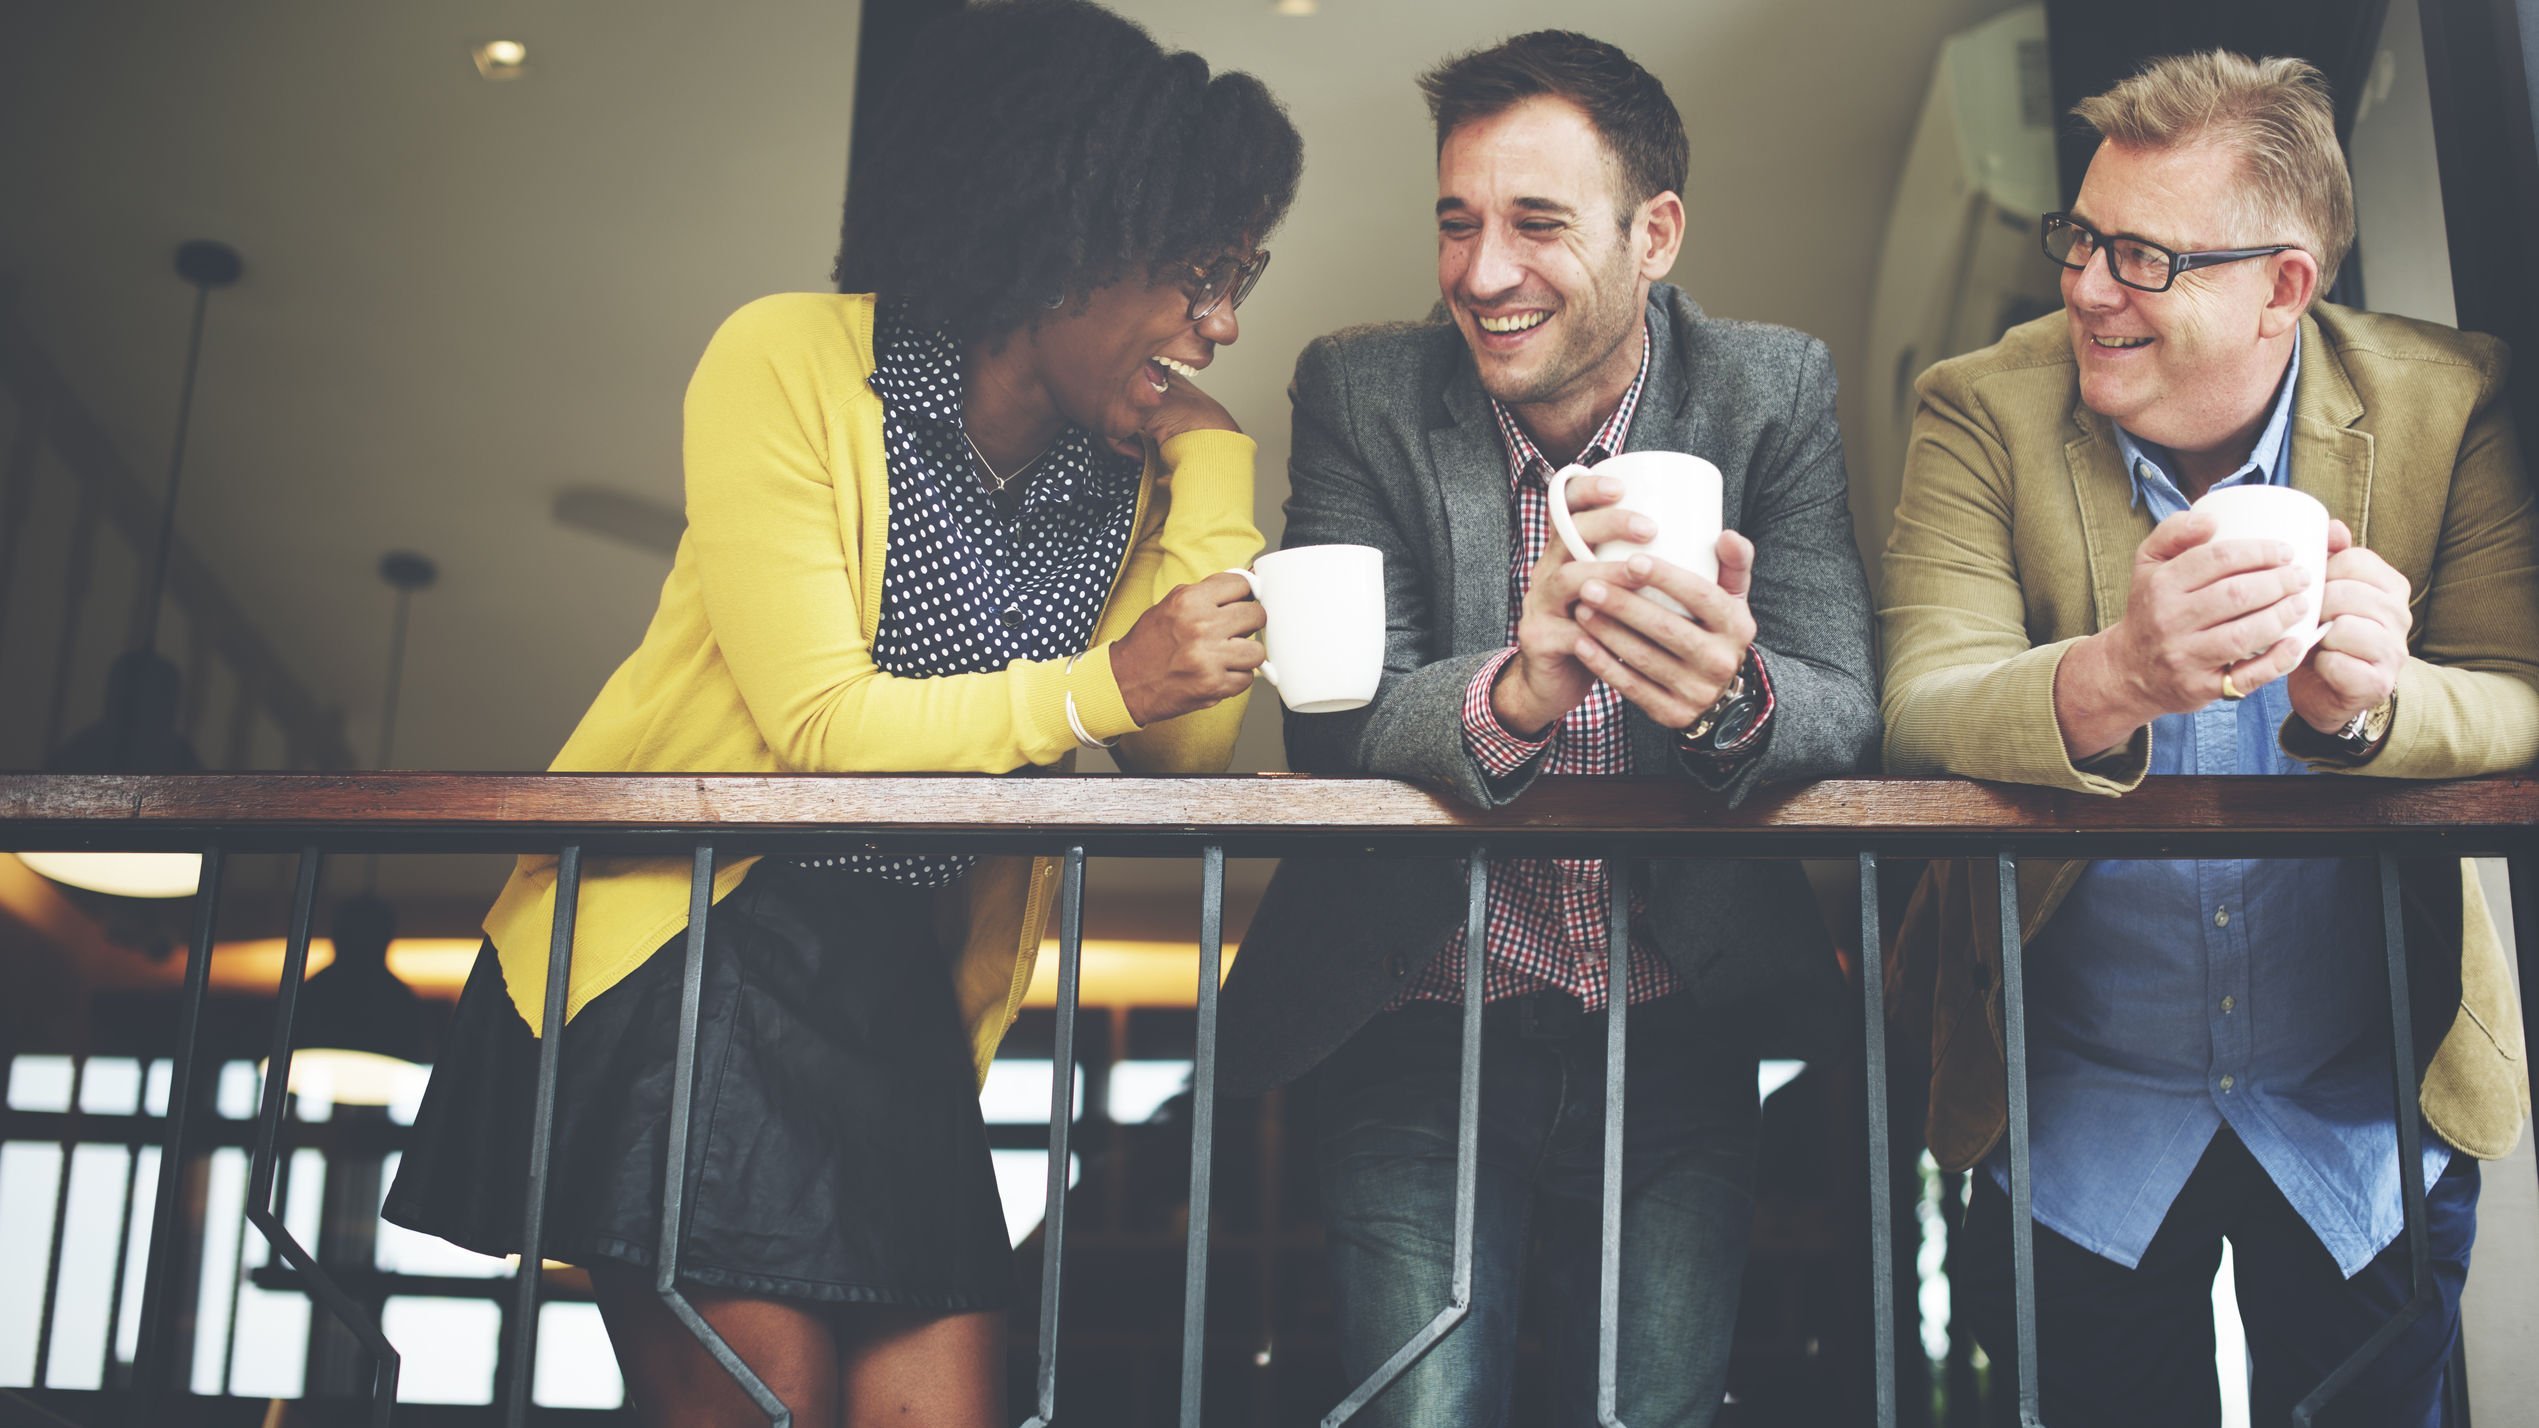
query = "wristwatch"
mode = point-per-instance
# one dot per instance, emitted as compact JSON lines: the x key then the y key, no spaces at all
{"x":1731,"y":716}
{"x":2363,"y":733}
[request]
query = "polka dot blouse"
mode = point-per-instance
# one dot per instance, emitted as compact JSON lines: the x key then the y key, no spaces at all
{"x":971,"y":581}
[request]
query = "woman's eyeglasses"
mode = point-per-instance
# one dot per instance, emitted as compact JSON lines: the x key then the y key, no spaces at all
{"x":1228,"y":280}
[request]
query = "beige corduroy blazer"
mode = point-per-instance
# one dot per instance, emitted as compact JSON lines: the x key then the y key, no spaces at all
{"x":2015,"y":536}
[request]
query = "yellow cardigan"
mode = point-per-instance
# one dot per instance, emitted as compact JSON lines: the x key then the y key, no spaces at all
{"x":759,"y":658}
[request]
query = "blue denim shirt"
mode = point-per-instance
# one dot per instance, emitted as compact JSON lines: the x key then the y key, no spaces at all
{"x":2168,"y":999}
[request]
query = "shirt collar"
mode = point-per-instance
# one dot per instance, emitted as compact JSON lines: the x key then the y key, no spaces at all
{"x":1526,"y":462}
{"x":2269,"y":462}
{"x":917,"y":372}
{"x":915,"y":369}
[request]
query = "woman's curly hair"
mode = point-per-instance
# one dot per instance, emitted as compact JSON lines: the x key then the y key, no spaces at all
{"x":1031,"y":151}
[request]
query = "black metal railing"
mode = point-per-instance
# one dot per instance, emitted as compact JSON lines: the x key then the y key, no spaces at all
{"x":711,"y":817}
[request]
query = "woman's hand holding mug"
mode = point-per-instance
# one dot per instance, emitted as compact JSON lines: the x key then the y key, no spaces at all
{"x":1191,"y":650}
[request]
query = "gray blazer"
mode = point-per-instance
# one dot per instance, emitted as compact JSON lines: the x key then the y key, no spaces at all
{"x":1395,"y":447}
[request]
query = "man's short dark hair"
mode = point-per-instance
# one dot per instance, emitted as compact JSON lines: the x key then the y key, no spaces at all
{"x":1629,"y":108}
{"x":1031,"y":151}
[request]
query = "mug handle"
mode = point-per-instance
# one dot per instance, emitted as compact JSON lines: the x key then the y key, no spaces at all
{"x":1255,"y":582}
{"x":1558,"y":501}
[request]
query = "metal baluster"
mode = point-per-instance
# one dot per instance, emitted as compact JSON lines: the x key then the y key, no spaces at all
{"x":61,"y":1218}
{"x":521,"y":1359}
{"x":321,"y":1286}
{"x":674,"y":1168}
{"x":1873,"y":1044}
{"x":1467,"y":1153}
{"x":1062,"y":1104}
{"x":2523,"y":888}
{"x":1203,"y":1132}
{"x":1617,"y":1015}
{"x":159,"y":1300}
{"x":2402,"y":1060}
{"x":123,"y":1233}
{"x":2014,"y":1019}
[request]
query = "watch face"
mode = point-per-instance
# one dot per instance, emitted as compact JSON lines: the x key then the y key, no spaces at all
{"x":1736,"y":722}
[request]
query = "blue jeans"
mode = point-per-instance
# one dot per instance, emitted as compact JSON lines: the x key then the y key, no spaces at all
{"x":1387,"y":1160}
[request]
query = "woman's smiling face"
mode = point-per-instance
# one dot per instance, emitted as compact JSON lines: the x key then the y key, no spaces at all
{"x":1108,"y":360}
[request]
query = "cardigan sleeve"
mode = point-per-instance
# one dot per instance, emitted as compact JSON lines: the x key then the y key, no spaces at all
{"x":775,"y":545}
{"x":1199,"y":522}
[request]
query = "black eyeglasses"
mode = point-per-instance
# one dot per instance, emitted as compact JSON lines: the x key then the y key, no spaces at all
{"x":1228,"y":280}
{"x":2138,"y":263}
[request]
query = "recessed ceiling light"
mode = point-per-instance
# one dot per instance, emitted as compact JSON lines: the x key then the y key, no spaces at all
{"x":1296,"y":7}
{"x":501,"y":59}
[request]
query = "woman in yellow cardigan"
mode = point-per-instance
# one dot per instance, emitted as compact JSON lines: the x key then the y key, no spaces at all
{"x":971,"y":522}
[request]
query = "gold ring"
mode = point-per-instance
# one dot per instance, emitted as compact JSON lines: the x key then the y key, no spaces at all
{"x":2230,"y":691}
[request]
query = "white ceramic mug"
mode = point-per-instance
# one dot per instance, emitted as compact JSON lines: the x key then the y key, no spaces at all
{"x":1326,"y":624}
{"x":1680,"y":493}
{"x":2278,"y":513}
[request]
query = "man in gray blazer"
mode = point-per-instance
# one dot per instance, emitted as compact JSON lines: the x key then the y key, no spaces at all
{"x":1560,"y":165}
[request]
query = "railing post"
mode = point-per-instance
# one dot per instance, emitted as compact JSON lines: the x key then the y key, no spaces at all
{"x":1873,"y":1047}
{"x":2014,"y":1020}
{"x":1617,"y":1055}
{"x":674,"y":1163}
{"x":61,"y":1223}
{"x":2522,"y":885}
{"x":1062,"y":1101}
{"x":123,"y":1235}
{"x":1467,"y":1151}
{"x":262,"y":1167}
{"x":2402,"y":1059}
{"x":160,"y":1301}
{"x":521,"y":1362}
{"x":1203,"y":1133}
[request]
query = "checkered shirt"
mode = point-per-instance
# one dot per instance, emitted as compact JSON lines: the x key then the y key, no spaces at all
{"x":1547,"y":917}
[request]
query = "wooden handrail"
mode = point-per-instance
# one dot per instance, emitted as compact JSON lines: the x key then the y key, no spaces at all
{"x":1263,"y":813}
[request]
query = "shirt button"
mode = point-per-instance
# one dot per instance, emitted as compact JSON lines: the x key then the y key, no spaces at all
{"x":2228,"y":1003}
{"x":2221,"y":917}
{"x":2142,"y":469}
{"x":1012,"y":619}
{"x":2227,"y":1083}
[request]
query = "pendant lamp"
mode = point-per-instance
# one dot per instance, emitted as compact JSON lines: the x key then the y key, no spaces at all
{"x":138,"y":733}
{"x":361,"y":1031}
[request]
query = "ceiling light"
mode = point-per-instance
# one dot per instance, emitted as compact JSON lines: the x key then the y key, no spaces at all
{"x":138,"y":733}
{"x":363,"y":1029}
{"x":501,"y":59}
{"x":122,"y":874}
{"x":1296,"y":7}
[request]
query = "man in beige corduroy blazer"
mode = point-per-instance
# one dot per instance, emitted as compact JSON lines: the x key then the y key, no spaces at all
{"x":2043,"y":624}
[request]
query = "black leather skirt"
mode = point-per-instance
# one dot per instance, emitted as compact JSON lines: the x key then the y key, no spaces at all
{"x":836,"y":1152}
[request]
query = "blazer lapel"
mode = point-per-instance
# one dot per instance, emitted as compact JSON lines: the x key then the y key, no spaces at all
{"x":1469,"y":467}
{"x":2113,"y":524}
{"x":1668,"y":418}
{"x":2330,"y":459}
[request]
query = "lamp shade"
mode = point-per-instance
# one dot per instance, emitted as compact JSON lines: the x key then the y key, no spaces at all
{"x":359,"y":1029}
{"x":136,"y":735}
{"x":122,"y":874}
